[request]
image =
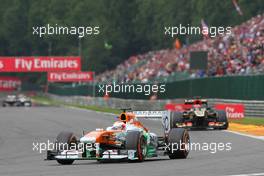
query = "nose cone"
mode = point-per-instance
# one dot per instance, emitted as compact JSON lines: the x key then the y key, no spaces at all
{"x":93,"y":136}
{"x":88,"y":139}
{"x":200,"y":112}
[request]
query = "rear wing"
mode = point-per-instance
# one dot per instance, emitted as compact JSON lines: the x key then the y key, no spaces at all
{"x":194,"y":101}
{"x":163,"y":115}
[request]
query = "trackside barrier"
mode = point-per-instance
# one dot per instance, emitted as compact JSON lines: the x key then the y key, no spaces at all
{"x":226,"y":87}
{"x":252,"y":108}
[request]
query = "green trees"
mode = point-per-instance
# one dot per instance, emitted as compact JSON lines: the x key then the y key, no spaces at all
{"x":126,"y":27}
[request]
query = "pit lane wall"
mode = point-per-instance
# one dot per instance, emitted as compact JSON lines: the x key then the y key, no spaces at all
{"x":252,"y":108}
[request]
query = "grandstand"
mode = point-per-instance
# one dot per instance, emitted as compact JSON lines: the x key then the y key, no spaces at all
{"x":241,"y":53}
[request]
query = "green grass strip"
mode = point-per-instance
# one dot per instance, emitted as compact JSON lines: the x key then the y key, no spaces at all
{"x":48,"y":101}
{"x":250,"y":121}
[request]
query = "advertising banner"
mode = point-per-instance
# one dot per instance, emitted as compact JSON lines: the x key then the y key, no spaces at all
{"x":9,"y":83}
{"x":233,"y":111}
{"x":70,"y":76}
{"x":177,"y":107}
{"x":40,"y":64}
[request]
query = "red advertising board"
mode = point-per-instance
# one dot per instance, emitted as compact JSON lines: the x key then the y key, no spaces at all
{"x":40,"y":64}
{"x":9,"y":83}
{"x":70,"y":76}
{"x":177,"y":107}
{"x":233,"y":111}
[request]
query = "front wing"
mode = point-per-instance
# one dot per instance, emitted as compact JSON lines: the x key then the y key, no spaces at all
{"x":79,"y":155}
{"x":200,"y":123}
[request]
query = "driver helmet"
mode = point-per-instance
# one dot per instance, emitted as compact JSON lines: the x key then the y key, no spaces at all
{"x":118,"y":126}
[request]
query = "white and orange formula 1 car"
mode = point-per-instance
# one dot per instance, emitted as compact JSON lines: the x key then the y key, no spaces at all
{"x":127,"y":139}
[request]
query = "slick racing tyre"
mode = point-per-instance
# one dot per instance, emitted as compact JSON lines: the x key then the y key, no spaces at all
{"x":65,"y":138}
{"x":222,"y":118}
{"x":136,"y":141}
{"x":178,"y":143}
{"x":176,"y":117}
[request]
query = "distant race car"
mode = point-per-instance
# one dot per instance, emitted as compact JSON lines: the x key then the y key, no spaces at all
{"x":126,"y":139}
{"x":197,"y":114}
{"x":17,"y":100}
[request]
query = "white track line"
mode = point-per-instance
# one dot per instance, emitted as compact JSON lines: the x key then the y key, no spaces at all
{"x":247,"y":135}
{"x":253,"y":174}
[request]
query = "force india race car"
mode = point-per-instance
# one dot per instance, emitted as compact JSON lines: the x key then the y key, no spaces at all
{"x":17,"y":100}
{"x":197,"y":114}
{"x":127,"y":139}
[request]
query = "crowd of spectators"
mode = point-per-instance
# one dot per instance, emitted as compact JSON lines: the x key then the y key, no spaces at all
{"x":240,"y":53}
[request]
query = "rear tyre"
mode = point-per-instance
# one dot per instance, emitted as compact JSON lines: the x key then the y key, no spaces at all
{"x":178,"y":142}
{"x":136,"y":141}
{"x":222,"y":118}
{"x":65,"y":138}
{"x":176,"y":117}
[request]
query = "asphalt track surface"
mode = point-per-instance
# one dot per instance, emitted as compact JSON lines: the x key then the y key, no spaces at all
{"x":20,"y":127}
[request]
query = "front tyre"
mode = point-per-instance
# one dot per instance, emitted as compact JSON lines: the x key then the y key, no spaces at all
{"x":136,"y":141}
{"x":178,"y":141}
{"x":65,"y":138}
